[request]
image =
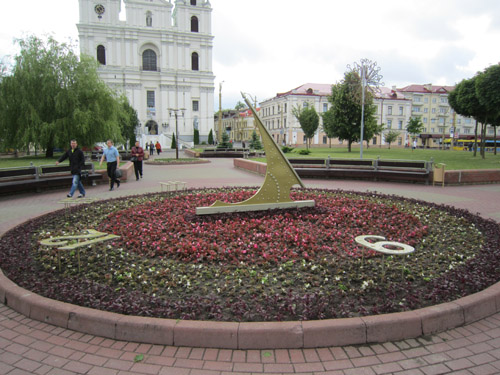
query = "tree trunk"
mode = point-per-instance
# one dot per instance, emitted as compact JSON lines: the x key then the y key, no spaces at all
{"x":495,"y":143}
{"x":349,"y":146}
{"x":49,"y":152}
{"x":483,"y":140}
{"x":475,"y":140}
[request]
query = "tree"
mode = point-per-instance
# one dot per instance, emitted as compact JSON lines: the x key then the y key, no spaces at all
{"x":128,"y":120}
{"x":415,"y":126}
{"x":51,"y":96}
{"x":465,"y":101}
{"x":488,"y":92}
{"x":309,"y":121}
{"x":345,"y":116}
{"x":240,"y":106}
{"x":391,"y":136}
{"x":329,"y":125}
{"x":225,"y":143}
{"x":173,"y":145}
{"x":210,"y":137}
{"x":196,"y":137}
{"x":255,"y":141}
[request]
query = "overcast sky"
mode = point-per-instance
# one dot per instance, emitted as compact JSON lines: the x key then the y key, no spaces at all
{"x":263,"y":47}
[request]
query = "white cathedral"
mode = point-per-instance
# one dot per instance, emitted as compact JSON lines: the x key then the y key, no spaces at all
{"x":160,"y":57}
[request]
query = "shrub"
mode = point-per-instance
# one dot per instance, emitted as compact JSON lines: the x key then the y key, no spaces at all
{"x":287,"y":149}
{"x":304,"y":152}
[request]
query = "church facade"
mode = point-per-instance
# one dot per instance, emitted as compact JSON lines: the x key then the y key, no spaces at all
{"x":160,"y":57}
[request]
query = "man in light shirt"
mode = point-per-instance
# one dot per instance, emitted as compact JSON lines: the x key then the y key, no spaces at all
{"x":113,"y":161}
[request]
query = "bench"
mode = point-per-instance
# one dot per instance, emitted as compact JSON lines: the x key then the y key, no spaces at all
{"x":371,"y":169}
{"x":27,"y":179}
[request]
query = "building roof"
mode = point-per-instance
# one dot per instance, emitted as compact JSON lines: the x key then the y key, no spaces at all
{"x":387,"y":93}
{"x":313,"y":89}
{"x":427,"y":89}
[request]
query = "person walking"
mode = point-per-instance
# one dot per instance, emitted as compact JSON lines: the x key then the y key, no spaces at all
{"x":76,"y":163}
{"x":151,"y":148}
{"x":158,"y":147}
{"x":138,"y":154}
{"x":113,"y":161}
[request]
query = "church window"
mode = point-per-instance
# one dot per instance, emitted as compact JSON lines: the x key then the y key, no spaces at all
{"x":150,"y":96}
{"x":149,"y":19}
{"x":101,"y":55}
{"x":149,"y":60}
{"x":194,"y":24}
{"x":195,"y":61}
{"x":193,"y":2}
{"x":196,"y":105}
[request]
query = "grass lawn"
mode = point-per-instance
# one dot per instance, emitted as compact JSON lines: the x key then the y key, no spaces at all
{"x":24,"y":161}
{"x":452,"y":159}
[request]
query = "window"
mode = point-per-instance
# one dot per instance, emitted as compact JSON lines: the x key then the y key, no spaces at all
{"x":433,"y":110}
{"x":149,"y":60}
{"x":425,"y":120}
{"x":374,"y":140}
{"x":416,"y":109}
{"x":433,"y":129}
{"x":193,"y":2}
{"x":149,"y":19}
{"x":196,"y":105}
{"x":150,"y":99}
{"x":467,"y":121}
{"x":389,"y":124}
{"x":195,"y":61}
{"x":101,"y":55}
{"x":434,"y":100}
{"x":426,"y":110}
{"x":400,"y":124}
{"x":417,"y":99}
{"x":389,"y":110}
{"x":305,"y":139}
{"x":194,"y":24}
{"x":444,"y":100}
{"x":400,"y":111}
{"x":325,"y":107}
{"x":305,"y":104}
{"x":400,"y":141}
{"x":442,"y":110}
{"x":324,"y":139}
{"x":466,"y":130}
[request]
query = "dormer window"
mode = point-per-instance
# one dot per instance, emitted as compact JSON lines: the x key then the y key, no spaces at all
{"x":149,"y":19}
{"x":194,"y":24}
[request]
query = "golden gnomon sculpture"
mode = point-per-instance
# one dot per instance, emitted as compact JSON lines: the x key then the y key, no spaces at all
{"x":275,"y":191}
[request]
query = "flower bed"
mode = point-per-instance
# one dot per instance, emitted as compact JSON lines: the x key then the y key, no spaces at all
{"x":262,"y":266}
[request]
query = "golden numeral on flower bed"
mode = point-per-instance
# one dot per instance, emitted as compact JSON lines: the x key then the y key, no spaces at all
{"x":92,"y":237}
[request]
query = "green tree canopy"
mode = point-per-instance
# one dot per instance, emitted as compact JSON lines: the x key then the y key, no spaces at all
{"x":51,"y":96}
{"x":391,"y":136}
{"x":415,"y":126}
{"x":308,"y":119}
{"x":211,"y":137}
{"x":344,"y":121}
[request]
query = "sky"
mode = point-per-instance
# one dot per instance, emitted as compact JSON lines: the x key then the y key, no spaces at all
{"x":265,"y":47}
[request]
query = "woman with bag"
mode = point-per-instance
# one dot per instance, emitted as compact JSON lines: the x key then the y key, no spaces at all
{"x":113,"y":161}
{"x":137,"y":158}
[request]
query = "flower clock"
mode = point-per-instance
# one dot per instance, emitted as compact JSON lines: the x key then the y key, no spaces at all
{"x":353,"y":254}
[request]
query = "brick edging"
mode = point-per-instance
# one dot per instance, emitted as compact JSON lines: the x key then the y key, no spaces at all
{"x":253,"y":335}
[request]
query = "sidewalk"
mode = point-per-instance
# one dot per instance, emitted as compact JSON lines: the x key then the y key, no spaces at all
{"x":32,"y":347}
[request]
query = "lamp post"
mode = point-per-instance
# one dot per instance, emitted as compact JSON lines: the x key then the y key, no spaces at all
{"x":175,"y":112}
{"x":368,"y":71}
{"x":219,"y":127}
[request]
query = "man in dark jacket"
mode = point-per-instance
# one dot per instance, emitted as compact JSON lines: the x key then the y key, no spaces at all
{"x":76,"y":162}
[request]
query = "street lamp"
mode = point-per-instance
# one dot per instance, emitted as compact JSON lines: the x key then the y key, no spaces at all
{"x":219,"y":132}
{"x":175,"y":112}
{"x":368,"y":71}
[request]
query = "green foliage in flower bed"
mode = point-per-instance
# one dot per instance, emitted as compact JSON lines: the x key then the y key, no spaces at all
{"x":263,"y":266}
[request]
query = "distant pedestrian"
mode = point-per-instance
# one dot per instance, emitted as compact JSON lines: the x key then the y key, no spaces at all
{"x":113,"y":161}
{"x":414,"y":144}
{"x":76,"y":163}
{"x":151,"y":148}
{"x":158,"y":148}
{"x":138,"y":155}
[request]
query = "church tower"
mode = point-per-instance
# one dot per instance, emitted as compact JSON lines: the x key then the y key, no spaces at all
{"x":160,"y":56}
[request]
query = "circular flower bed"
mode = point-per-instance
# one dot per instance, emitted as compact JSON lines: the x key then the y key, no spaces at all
{"x":261,"y":266}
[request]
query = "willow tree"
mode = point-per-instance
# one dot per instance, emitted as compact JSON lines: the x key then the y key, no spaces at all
{"x":52,"y":96}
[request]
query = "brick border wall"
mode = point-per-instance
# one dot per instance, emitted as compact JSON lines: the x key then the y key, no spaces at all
{"x":253,"y":335}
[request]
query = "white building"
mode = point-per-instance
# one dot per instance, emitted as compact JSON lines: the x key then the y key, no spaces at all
{"x":160,"y":57}
{"x":394,"y":111}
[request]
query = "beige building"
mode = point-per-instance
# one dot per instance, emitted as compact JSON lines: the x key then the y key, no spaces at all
{"x":239,"y":125}
{"x":430,"y":103}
